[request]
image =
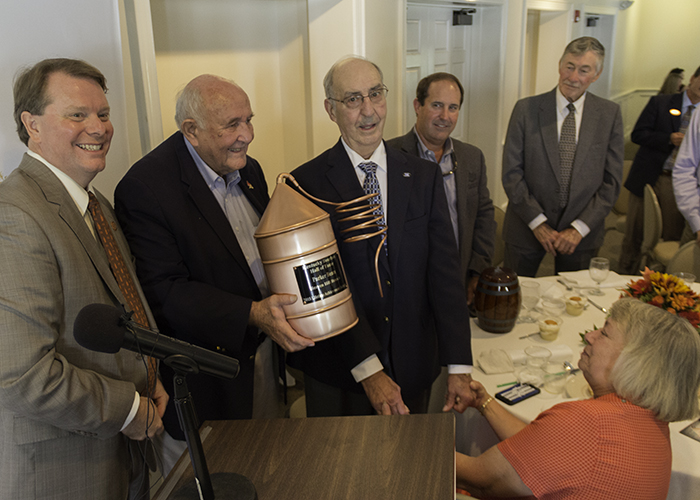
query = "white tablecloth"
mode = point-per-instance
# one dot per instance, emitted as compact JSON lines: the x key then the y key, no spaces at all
{"x":474,"y":436}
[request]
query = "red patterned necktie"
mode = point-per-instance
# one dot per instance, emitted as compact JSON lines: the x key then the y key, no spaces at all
{"x":121,"y":274}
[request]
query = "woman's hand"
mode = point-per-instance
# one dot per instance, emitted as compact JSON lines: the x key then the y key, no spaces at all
{"x":481,"y":394}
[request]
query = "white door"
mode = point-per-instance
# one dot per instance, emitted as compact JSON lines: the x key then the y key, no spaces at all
{"x":472,"y":53}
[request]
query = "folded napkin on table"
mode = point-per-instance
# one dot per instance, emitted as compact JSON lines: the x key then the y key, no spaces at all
{"x":500,"y":361}
{"x":583,"y":279}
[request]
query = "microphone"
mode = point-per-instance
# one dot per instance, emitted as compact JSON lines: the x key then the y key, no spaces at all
{"x":105,"y":328}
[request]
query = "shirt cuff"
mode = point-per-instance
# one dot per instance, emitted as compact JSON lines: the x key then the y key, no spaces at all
{"x":132,"y":413}
{"x":537,"y":221}
{"x":368,"y":367}
{"x":459,"y":369}
{"x":581,"y":227}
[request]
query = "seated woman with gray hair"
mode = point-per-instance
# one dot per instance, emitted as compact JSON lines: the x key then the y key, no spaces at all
{"x":643,"y":367}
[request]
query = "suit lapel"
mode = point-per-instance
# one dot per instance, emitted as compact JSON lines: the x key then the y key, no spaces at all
{"x":57,"y":195}
{"x":400,"y":180}
{"x":677,"y":103}
{"x":207,"y":205}
{"x":586,"y":136}
{"x":548,"y":129}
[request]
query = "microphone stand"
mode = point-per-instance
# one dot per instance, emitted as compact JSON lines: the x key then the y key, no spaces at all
{"x":222,"y":485}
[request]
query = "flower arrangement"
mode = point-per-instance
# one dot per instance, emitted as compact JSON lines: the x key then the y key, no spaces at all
{"x":667,"y":292}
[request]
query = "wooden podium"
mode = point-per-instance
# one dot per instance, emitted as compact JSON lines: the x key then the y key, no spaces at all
{"x":354,"y":458}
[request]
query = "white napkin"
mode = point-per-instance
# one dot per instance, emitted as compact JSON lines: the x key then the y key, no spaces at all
{"x":583,"y":279}
{"x":560,"y":353}
{"x":495,"y":361}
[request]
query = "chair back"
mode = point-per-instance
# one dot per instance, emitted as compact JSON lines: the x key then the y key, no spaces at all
{"x":686,"y":259}
{"x":499,"y":252}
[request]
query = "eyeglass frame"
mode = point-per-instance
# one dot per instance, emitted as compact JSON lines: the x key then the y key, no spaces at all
{"x":383,"y":89}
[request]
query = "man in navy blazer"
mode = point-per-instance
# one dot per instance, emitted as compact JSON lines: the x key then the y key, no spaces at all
{"x":189,"y":210}
{"x":387,"y":363}
{"x":552,"y":210}
{"x":657,"y":133}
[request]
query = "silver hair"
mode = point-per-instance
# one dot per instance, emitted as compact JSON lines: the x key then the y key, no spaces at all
{"x":659,"y":367}
{"x":328,"y":79}
{"x":190,"y":102}
{"x":585,"y":44}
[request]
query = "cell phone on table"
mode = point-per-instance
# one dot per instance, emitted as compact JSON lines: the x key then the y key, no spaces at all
{"x":517,"y":393}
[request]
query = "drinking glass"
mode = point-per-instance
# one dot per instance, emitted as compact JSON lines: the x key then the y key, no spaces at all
{"x":599,"y":269}
{"x":530,"y":295}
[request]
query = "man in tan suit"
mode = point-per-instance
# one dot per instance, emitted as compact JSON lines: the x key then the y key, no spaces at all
{"x":70,"y":418}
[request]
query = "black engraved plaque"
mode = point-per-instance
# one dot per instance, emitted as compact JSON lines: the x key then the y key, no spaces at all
{"x":320,"y":279}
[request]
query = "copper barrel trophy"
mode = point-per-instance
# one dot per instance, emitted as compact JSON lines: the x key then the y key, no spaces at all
{"x":300,"y":255}
{"x":497,"y":299}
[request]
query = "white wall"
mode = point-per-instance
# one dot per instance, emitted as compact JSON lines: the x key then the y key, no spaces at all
{"x":84,"y":29}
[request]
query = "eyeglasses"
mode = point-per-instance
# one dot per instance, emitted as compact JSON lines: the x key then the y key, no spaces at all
{"x":354,"y":101}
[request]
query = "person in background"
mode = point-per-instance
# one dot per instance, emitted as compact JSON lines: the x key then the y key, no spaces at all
{"x":189,"y":210}
{"x":437,"y":104}
{"x":562,"y":167}
{"x":673,"y":83}
{"x":686,"y":180}
{"x":643,"y":368}
{"x":75,"y":422}
{"x":659,"y":131}
{"x":388,"y":361}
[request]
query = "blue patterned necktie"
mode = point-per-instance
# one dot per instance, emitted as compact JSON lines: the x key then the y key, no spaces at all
{"x":371,"y":186}
{"x":685,"y":121}
{"x":567,"y":152}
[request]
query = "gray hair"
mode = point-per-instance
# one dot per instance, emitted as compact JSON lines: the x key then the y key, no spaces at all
{"x":585,"y":44}
{"x":328,"y":79}
{"x":659,"y":367}
{"x":190,"y":101}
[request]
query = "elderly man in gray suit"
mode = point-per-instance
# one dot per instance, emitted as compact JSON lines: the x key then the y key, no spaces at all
{"x":562,"y":167}
{"x":438,"y":101}
{"x":73,"y":421}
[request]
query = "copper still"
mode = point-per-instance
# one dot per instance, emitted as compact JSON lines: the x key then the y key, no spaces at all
{"x":300,"y":255}
{"x":497,"y":299}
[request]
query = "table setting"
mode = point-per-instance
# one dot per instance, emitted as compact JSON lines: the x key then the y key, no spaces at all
{"x":543,"y":348}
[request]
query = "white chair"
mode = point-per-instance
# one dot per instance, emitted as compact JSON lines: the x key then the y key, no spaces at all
{"x":686,"y":259}
{"x":499,"y":245}
{"x":653,"y":248}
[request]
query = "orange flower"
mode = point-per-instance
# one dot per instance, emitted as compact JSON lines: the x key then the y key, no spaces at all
{"x":657,"y":301}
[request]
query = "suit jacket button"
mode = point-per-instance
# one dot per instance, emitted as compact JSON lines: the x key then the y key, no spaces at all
{"x":388,"y":282}
{"x":386,"y":319}
{"x":252,"y":358}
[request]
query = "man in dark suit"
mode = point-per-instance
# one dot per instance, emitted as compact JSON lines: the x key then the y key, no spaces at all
{"x":562,"y":167}
{"x":438,"y":100}
{"x":387,"y":363}
{"x":658,"y":133}
{"x":189,"y":210}
{"x":69,"y":416}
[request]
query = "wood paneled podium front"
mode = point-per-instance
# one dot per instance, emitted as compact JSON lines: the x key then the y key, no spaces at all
{"x":353,"y":458}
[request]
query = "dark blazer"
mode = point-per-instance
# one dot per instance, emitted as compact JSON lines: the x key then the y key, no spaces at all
{"x":476,"y":223}
{"x":192,"y":269}
{"x":531,"y":175}
{"x":422,"y":321}
{"x":61,"y":406}
{"x":653,"y":133}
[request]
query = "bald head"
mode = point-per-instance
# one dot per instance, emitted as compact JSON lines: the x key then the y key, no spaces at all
{"x":214,"y":114}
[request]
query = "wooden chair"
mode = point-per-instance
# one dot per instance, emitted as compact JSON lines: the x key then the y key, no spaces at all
{"x":653,"y":248}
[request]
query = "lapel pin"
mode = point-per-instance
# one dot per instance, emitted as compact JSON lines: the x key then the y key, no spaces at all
{"x":250,"y":186}
{"x":674,"y":112}
{"x":407,"y":174}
